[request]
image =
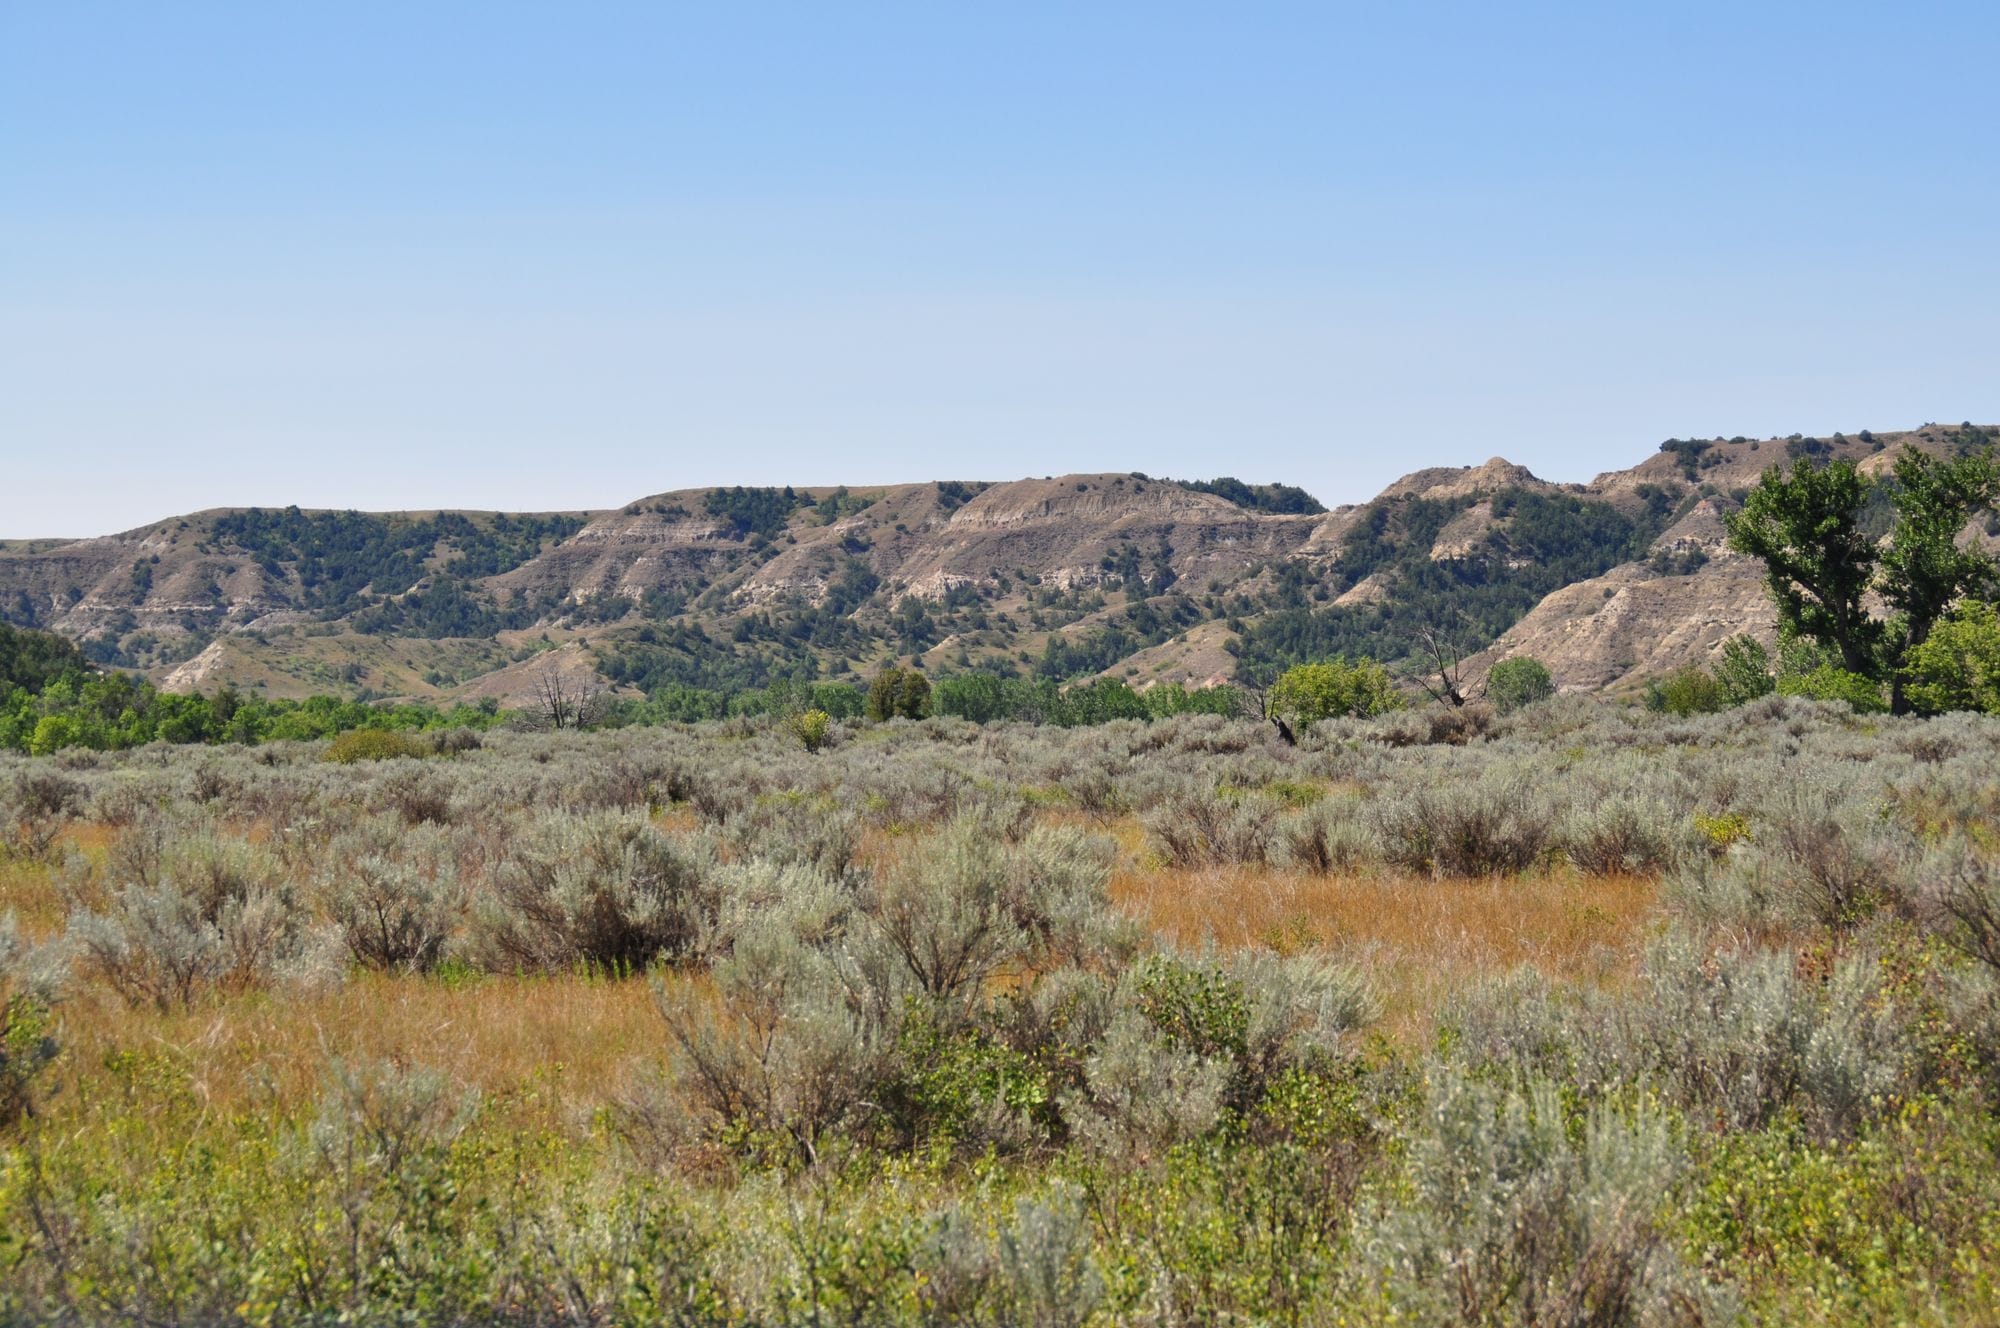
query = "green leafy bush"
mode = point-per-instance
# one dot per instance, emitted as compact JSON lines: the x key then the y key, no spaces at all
{"x":1520,"y":681}
{"x":372,"y":745}
{"x":1957,"y":667}
{"x":812,"y":728}
{"x":1688,"y":691}
{"x":1829,"y":682}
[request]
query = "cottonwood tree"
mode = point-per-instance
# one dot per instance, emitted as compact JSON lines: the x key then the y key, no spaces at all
{"x":1924,"y":568}
{"x":1308,"y":693}
{"x":1820,"y":563}
{"x":898,"y":693}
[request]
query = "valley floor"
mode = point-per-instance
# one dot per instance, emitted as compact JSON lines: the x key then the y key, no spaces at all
{"x":1601,"y":1018}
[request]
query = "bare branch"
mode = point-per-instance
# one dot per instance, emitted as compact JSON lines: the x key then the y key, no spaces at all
{"x":1447,"y":663}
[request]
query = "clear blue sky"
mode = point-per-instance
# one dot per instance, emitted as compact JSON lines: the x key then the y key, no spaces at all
{"x":530,"y":256}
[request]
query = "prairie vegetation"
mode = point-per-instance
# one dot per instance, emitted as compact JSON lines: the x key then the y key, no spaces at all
{"x":1578,"y":1014}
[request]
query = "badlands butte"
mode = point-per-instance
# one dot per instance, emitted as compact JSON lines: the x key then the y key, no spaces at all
{"x":1138,"y":577}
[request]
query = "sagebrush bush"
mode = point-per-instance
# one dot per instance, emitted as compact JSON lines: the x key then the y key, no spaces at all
{"x":1736,"y":1036}
{"x":1190,"y":1040}
{"x":1963,"y":898}
{"x":421,"y":796}
{"x":1204,"y":829}
{"x":31,"y":980}
{"x":1483,"y":829}
{"x":792,"y":1043}
{"x":167,"y":947}
{"x":794,"y":827}
{"x":397,"y":899}
{"x":943,"y":915}
{"x":34,"y":807}
{"x":1512,"y":1219}
{"x":604,"y":890}
{"x":1623,"y":834}
{"x":1326,"y":838}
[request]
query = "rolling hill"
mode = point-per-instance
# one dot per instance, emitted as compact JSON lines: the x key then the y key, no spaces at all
{"x":1063,"y":577}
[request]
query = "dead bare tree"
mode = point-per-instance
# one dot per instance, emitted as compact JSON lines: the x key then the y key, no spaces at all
{"x":567,"y":699}
{"x":1264,"y":711}
{"x":1444,"y":679}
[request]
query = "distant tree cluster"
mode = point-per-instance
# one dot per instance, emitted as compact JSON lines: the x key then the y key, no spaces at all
{"x":764,"y":512}
{"x":342,"y":558}
{"x":1539,"y":543}
{"x":984,"y":697}
{"x":1276,"y":499}
{"x":899,"y":693}
{"x":51,"y":699}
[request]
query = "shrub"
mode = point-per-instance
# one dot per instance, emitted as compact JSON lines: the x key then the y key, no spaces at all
{"x":45,"y":793}
{"x":1046,"y":1277}
{"x":1968,"y":900}
{"x":35,"y":807}
{"x":373,"y":745}
{"x":788,"y":828}
{"x":944,"y":917}
{"x":30,"y":980}
{"x":158,"y":945}
{"x":1325,"y":838}
{"x":811,"y":727}
{"x":420,"y":796}
{"x":1958,"y":666}
{"x":1509,"y":1218}
{"x":1200,"y":829}
{"x":780,"y":1054}
{"x":1479,"y":829}
{"x":1195,"y":1041}
{"x":1744,"y":670}
{"x":1520,"y":681}
{"x":1745,"y":1038}
{"x":1455,"y":726}
{"x":605,"y":890}
{"x":1620,"y":834}
{"x":456,"y":742}
{"x":1834,"y":874}
{"x":1830,"y":683}
{"x":1688,"y":691}
{"x":397,"y":903}
{"x":966,"y":905}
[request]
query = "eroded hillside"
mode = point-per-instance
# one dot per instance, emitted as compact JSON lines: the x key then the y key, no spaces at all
{"x":1150,"y":579}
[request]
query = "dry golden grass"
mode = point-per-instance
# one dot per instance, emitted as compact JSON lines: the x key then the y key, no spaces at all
{"x":1419,"y":940}
{"x":27,"y":892}
{"x":550,"y":1049}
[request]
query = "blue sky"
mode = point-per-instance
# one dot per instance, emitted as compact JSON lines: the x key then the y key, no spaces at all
{"x":563,"y":255}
